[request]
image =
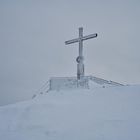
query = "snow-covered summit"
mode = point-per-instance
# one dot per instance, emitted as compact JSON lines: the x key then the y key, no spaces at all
{"x":84,"y":114}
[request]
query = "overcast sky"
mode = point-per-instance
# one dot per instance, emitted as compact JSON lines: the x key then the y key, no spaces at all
{"x":32,"y":36}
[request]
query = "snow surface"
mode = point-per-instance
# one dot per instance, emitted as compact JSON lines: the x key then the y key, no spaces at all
{"x":111,"y":113}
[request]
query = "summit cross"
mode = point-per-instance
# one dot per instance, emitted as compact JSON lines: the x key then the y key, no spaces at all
{"x":80,"y":58}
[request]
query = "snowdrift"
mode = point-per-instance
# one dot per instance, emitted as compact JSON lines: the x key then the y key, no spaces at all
{"x":111,"y":113}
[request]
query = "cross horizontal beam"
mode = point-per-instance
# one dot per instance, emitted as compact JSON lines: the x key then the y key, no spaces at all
{"x":72,"y":41}
{"x":82,"y":39}
{"x":89,"y":36}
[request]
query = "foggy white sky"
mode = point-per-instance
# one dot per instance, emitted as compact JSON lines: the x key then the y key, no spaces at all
{"x":32,"y":36}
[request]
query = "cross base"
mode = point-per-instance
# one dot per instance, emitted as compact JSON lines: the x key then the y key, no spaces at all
{"x":59,"y":83}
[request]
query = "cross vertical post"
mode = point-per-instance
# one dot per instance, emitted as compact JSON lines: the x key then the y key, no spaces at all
{"x":80,"y":41}
{"x":80,"y":65}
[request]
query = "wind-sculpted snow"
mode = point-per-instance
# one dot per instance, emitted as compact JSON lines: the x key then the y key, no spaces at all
{"x":87,"y":114}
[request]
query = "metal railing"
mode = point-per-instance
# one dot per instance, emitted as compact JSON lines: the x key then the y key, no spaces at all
{"x":103,"y":81}
{"x":44,"y":89}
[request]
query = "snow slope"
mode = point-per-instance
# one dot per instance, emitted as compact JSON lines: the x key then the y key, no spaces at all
{"x":111,"y":113}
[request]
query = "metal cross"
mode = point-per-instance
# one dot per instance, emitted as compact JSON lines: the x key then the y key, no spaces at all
{"x":80,"y":58}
